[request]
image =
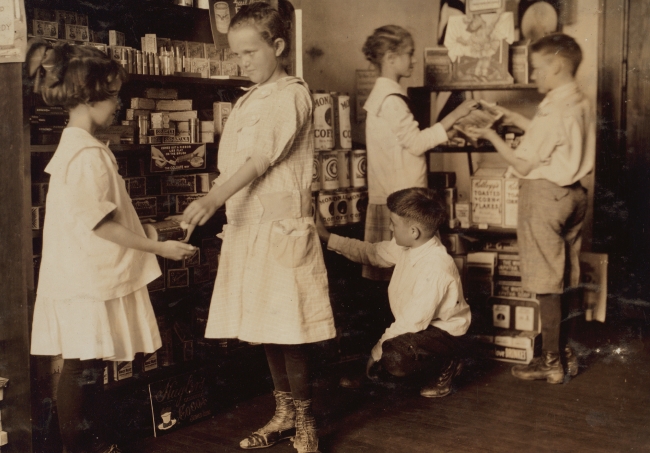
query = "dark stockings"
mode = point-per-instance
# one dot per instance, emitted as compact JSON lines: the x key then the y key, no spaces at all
{"x":550,"y":306}
{"x":290,"y":369}
{"x":79,"y":405}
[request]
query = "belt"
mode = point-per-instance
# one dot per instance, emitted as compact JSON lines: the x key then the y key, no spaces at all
{"x":290,"y":204}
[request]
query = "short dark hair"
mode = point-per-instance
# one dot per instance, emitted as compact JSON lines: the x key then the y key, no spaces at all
{"x":69,"y":75}
{"x":419,"y":205}
{"x":268,"y":21}
{"x":561,"y":45}
{"x":384,"y":39}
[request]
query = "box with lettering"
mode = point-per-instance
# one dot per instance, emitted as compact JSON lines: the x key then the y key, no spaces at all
{"x":165,"y":158}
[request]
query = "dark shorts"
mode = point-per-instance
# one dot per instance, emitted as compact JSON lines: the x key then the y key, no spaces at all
{"x":549,"y":234}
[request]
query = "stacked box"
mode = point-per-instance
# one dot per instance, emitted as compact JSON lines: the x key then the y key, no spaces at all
{"x":47,"y":124}
{"x":494,"y":198}
{"x":510,"y":346}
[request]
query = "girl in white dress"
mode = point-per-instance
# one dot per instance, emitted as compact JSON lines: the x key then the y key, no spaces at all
{"x":92,"y":302}
{"x":271,"y":286}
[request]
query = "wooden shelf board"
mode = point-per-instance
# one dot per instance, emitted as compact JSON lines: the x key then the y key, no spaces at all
{"x":114,"y":148}
{"x":230,"y":82}
{"x":485,"y":87}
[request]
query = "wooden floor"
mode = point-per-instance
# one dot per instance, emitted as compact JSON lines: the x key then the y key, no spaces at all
{"x":606,"y":408}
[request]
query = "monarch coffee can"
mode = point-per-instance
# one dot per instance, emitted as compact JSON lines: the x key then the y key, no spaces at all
{"x":341,"y":208}
{"x":358,"y":168}
{"x":329,"y":170}
{"x":342,"y":125}
{"x":343,"y":167}
{"x":326,"y":200}
{"x":168,"y":230}
{"x":316,"y":172}
{"x":323,"y":131}
{"x":354,"y":197}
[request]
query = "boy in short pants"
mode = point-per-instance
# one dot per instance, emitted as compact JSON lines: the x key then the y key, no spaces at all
{"x":557,"y":150}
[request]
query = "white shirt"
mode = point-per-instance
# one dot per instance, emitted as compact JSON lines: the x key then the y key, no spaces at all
{"x":84,"y":188}
{"x":425,"y":288}
{"x":396,"y":146}
{"x":561,"y":138}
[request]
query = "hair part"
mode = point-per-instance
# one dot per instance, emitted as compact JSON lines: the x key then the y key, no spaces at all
{"x":267,"y":20}
{"x":561,"y":45}
{"x":389,"y":38}
{"x":420,"y":206}
{"x":69,"y":75}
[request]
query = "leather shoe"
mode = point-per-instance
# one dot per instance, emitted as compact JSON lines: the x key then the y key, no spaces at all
{"x":548,"y":367}
{"x":571,"y":361}
{"x":441,"y":386}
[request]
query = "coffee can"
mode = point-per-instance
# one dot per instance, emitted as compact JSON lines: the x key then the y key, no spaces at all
{"x":326,"y":200}
{"x":316,"y":172}
{"x":341,"y":208}
{"x":354,"y":198}
{"x":359,"y":168}
{"x":329,"y":170}
{"x":323,"y":131}
{"x":343,"y":167}
{"x":342,"y":124}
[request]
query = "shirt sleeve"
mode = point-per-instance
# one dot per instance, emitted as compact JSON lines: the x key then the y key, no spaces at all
{"x":419,"y":311}
{"x":89,"y":189}
{"x":540,"y":141}
{"x":379,"y":254}
{"x":412,"y":140}
{"x":276,"y":133}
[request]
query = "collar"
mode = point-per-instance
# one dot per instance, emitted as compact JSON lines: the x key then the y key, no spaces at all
{"x":74,"y":140}
{"x":433,"y":245}
{"x":383,"y":88}
{"x":278,"y":85}
{"x":569,"y":93}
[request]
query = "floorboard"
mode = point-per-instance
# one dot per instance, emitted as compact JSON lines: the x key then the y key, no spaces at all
{"x":605,"y":409}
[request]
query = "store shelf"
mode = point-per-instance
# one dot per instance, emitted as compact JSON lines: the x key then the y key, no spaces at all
{"x":463,"y":149}
{"x":485,"y":87}
{"x":114,"y":148}
{"x":475,"y":230}
{"x":175,"y":80}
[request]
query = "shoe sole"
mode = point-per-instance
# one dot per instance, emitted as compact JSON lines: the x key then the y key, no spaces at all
{"x":287,"y":434}
{"x":549,"y":379}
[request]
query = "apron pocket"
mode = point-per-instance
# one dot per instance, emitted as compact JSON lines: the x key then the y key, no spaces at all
{"x":291,"y":245}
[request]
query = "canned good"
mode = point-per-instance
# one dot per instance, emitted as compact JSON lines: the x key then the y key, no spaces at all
{"x":343,"y":167}
{"x":329,"y":171}
{"x":143,"y":124}
{"x":316,"y":172}
{"x":341,"y":208}
{"x":342,"y":125}
{"x":168,"y":230}
{"x":326,"y":200}
{"x":354,"y":197}
{"x":359,"y":168}
{"x":323,"y":132}
{"x":194,"y":130}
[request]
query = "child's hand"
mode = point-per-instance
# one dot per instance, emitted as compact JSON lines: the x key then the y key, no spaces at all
{"x":465,"y":108}
{"x":485,"y":133}
{"x":199,"y":211}
{"x":320,"y":228}
{"x":175,"y":250}
{"x":509,"y":117}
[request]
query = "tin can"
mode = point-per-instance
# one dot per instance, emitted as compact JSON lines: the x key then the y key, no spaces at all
{"x":343,"y":167}
{"x":359,"y":168}
{"x":316,"y":172}
{"x":143,"y":125}
{"x":341,"y":208}
{"x":194,"y":130}
{"x":326,"y":201}
{"x":329,"y":171}
{"x":323,"y":132}
{"x":168,"y":230}
{"x":354,"y":197}
{"x":342,"y":125}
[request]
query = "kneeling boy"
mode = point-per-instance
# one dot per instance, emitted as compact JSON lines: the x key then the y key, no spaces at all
{"x":425,"y":292}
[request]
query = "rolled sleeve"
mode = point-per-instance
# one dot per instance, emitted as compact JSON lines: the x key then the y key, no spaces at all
{"x":410,"y":137}
{"x":379,"y":254}
{"x":88,"y":184}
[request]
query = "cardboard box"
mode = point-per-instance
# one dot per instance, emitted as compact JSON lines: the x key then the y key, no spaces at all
{"x":178,"y":278}
{"x":178,"y":184}
{"x":215,"y":67}
{"x":200,"y":274}
{"x":145,"y":206}
{"x":519,"y":64}
{"x":122,"y":370}
{"x":183,"y":115}
{"x":195,"y":49}
{"x":174,"y":105}
{"x":510,"y":202}
{"x":44,"y":29}
{"x":133,"y":114}
{"x":38,"y":217}
{"x":463,"y":213}
{"x":511,"y":288}
{"x":487,"y":196}
{"x":143,"y":103}
{"x":437,"y":66}
{"x":166,"y":158}
{"x":200,"y":66}
{"x":160,"y":120}
{"x":510,"y":346}
{"x":161,"y":93}
{"x":116,"y":38}
{"x":183,"y":201}
{"x":515,"y":314}
{"x":508,"y":265}
{"x":39,"y":193}
{"x":136,"y":186}
{"x":45,"y":14}
{"x":150,"y":362}
{"x":76,"y":33}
